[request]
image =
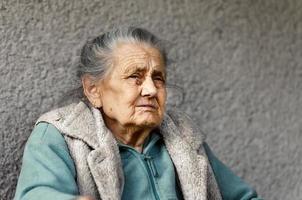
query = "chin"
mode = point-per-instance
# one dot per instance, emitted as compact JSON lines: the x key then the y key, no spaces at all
{"x":150,"y":122}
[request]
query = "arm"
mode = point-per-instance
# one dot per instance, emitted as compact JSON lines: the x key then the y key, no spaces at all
{"x":47,"y":171}
{"x":230,"y":185}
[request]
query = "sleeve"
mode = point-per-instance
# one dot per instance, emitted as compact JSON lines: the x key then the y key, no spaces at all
{"x":47,"y":170}
{"x":231,"y":186}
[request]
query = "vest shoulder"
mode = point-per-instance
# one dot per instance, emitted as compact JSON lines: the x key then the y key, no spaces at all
{"x":59,"y":115}
{"x":187,"y":126}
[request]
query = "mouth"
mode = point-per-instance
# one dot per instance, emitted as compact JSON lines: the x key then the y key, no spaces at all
{"x":148,"y":106}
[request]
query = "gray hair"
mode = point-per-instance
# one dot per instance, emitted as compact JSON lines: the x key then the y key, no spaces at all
{"x":96,"y":55}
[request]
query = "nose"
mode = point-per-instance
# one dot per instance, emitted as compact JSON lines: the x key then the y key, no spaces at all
{"x":148,"y":88}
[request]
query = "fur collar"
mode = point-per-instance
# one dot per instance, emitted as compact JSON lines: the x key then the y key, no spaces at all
{"x":183,"y":142}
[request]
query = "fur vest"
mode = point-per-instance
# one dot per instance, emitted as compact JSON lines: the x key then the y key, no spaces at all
{"x":97,"y":160}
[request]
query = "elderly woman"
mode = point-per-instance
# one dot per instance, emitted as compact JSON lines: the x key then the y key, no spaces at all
{"x":120,"y":142}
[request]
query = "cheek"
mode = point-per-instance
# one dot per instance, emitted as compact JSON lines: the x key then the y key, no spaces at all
{"x":162,"y":95}
{"x":129,"y":99}
{"x":123,"y":103}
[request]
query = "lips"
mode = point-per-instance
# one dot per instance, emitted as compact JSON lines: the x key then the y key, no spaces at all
{"x":148,"y":106}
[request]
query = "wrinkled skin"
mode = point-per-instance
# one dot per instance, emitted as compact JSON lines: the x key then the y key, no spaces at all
{"x":132,"y":96}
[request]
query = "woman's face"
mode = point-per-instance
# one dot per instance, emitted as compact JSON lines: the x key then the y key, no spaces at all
{"x":134,"y":92}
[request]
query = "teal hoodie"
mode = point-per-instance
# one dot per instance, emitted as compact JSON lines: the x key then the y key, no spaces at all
{"x":151,"y":174}
{"x":48,"y":171}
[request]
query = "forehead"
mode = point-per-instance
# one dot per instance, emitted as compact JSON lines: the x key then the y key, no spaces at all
{"x":138,"y":55}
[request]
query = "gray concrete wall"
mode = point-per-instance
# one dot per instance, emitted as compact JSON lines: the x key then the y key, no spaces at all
{"x":238,"y":62}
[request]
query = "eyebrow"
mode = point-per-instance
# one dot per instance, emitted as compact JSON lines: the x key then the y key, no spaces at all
{"x":142,"y":69}
{"x":135,"y":69}
{"x":157,"y":72}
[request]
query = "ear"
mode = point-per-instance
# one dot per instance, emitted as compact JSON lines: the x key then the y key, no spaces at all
{"x":92,"y":90}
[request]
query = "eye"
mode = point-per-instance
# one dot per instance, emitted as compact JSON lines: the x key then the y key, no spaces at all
{"x":159,"y":78}
{"x":135,"y":77}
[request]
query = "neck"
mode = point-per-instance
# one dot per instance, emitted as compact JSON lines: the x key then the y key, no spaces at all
{"x":130,"y":135}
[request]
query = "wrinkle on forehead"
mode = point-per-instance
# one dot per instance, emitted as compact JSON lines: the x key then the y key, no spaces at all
{"x":138,"y":56}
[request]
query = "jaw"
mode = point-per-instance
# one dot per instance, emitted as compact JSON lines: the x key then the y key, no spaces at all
{"x":139,"y":119}
{"x":148,"y":119}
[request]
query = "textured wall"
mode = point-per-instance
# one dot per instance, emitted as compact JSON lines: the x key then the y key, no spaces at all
{"x":238,"y":62}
